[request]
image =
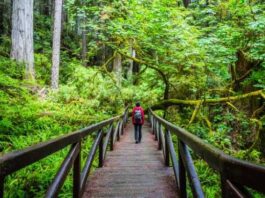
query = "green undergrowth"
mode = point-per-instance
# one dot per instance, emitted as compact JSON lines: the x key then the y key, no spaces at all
{"x":30,"y":113}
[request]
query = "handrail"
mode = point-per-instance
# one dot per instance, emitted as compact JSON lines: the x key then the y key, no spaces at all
{"x":17,"y":160}
{"x":235,"y":174}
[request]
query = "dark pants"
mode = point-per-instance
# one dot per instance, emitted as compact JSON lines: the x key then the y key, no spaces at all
{"x":138,"y":132}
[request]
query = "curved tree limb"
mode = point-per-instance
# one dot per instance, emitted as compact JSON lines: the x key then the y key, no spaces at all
{"x":208,"y":122}
{"x":104,"y":66}
{"x":257,"y":135}
{"x":161,"y":73}
{"x":171,"y":102}
{"x":195,"y":112}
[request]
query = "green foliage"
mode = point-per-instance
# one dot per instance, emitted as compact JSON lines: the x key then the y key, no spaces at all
{"x":194,"y":49}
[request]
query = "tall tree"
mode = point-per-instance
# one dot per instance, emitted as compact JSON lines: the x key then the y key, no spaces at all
{"x":84,"y":36}
{"x":2,"y":6}
{"x":132,"y":53}
{"x":84,"y":46}
{"x":117,"y":68}
{"x":22,"y":35}
{"x":56,"y":43}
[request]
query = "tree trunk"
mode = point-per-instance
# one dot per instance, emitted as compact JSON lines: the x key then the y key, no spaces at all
{"x":56,"y":43}
{"x":132,"y":53}
{"x":84,"y":37}
{"x":2,"y":16}
{"x":117,"y":68}
{"x":84,"y":47}
{"x":22,"y":35}
{"x":186,"y":3}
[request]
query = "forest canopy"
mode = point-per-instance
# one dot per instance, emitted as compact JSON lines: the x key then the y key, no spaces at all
{"x":67,"y":64}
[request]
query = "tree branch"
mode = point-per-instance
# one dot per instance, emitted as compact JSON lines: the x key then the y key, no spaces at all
{"x":170,"y":102}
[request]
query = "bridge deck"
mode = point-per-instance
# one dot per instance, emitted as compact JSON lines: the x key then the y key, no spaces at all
{"x":133,"y":170}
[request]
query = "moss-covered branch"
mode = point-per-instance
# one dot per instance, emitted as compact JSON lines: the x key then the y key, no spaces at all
{"x":172,"y":102}
{"x":195,"y":112}
{"x":258,"y":126}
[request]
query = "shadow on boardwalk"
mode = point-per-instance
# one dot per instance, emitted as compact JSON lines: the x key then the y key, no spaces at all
{"x":133,"y":170}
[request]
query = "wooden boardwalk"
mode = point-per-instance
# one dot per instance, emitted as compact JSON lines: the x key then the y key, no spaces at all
{"x":133,"y":170}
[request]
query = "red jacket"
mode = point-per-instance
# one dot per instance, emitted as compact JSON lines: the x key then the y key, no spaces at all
{"x":142,"y":112}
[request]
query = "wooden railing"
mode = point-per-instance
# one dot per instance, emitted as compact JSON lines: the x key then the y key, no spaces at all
{"x":236,"y":175}
{"x":17,"y":160}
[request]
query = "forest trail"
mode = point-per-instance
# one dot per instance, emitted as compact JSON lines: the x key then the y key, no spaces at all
{"x":133,"y":170}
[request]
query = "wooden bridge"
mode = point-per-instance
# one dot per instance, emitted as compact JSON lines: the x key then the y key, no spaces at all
{"x":152,"y":168}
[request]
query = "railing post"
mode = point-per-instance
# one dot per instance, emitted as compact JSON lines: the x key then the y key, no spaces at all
{"x":182,"y":174}
{"x":118,"y":132}
{"x":122,"y":126}
{"x":167,"y":160}
{"x":100,"y":153}
{"x":76,"y":174}
{"x":112,"y":138}
{"x":154,"y":126}
{"x":156,"y":130}
{"x":159,"y":137}
{"x":149,"y":116}
{"x":152,"y":122}
{"x":225,"y":193}
{"x":2,"y":180}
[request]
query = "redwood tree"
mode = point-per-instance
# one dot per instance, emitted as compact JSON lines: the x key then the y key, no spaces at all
{"x":22,"y":35}
{"x":56,"y":44}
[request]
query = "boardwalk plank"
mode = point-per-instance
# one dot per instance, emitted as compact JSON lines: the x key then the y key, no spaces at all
{"x":133,"y":170}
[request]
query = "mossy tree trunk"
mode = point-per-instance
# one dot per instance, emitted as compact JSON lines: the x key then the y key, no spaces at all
{"x":56,"y":44}
{"x":22,"y":35}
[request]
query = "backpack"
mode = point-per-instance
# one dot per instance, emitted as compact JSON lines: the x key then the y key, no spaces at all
{"x":137,"y":116}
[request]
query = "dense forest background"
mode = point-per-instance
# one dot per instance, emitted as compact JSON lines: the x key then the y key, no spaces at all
{"x":67,"y":64}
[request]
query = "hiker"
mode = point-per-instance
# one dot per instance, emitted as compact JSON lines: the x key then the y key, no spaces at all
{"x":138,"y":121}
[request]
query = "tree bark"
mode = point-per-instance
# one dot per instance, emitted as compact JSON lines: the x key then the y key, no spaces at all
{"x":84,"y":37}
{"x":186,"y":3}
{"x":171,"y":102}
{"x":84,"y":47}
{"x":117,"y":68}
{"x":56,"y":43}
{"x":132,"y":53}
{"x":22,"y":35}
{"x":2,"y":27}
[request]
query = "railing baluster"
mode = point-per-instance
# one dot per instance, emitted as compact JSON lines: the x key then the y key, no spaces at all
{"x":77,"y":173}
{"x":115,"y":133}
{"x":89,"y":161}
{"x":63,"y":171}
{"x":173,"y":158}
{"x":154,"y":126}
{"x":112,"y":138}
{"x":100,"y":153}
{"x":118,"y":131}
{"x":167,"y":160}
{"x":182,"y":175}
{"x":156,"y":130}
{"x":163,"y":143}
{"x":2,"y":183}
{"x":122,"y":126}
{"x":191,"y":172}
{"x":152,"y":123}
{"x":224,"y":187}
{"x":160,"y":137}
{"x":234,"y":191}
{"x":106,"y":142}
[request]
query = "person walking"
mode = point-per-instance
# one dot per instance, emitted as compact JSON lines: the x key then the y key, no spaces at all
{"x":138,"y":121}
